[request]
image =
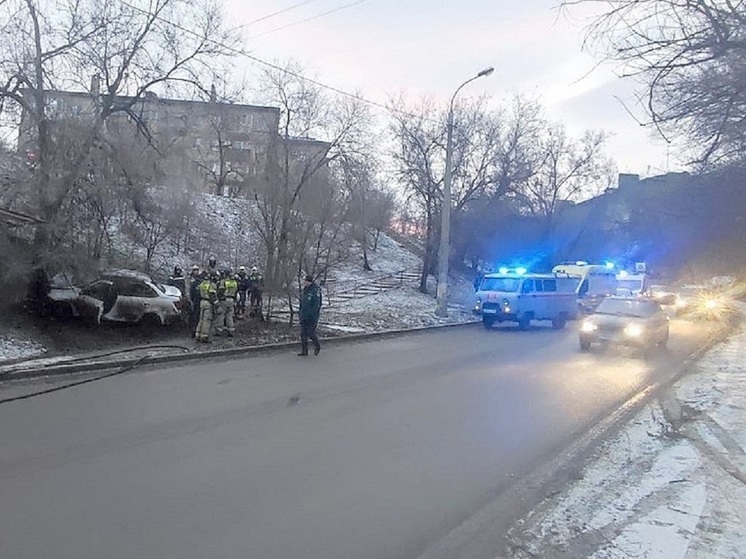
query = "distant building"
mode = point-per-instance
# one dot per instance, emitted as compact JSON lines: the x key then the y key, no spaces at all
{"x":667,"y":221}
{"x":222,"y":148}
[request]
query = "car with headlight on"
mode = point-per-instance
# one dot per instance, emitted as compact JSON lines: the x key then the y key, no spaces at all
{"x":628,"y":321}
{"x":699,"y":302}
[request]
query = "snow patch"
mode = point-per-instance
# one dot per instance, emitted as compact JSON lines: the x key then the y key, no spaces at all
{"x":16,"y":348}
{"x":657,"y":490}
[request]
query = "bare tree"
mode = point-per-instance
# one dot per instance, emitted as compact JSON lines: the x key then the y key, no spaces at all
{"x":381,"y":206}
{"x":418,"y":155}
{"x":218,"y":159}
{"x":569,"y":170}
{"x":122,"y":49}
{"x":494,"y":154}
{"x":691,"y":55}
{"x":340,"y":126}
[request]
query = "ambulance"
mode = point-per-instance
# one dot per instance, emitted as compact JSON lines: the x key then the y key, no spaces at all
{"x":518,"y":296}
{"x":595,"y":282}
{"x":637,"y":284}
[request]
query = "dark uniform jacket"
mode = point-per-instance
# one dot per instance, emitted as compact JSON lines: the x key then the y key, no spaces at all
{"x":243,"y":282}
{"x":310,"y":303}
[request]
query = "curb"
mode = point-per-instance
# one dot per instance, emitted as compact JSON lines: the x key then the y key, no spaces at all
{"x":194,"y":355}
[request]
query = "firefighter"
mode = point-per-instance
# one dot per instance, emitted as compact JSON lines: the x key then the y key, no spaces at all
{"x":243,"y":287}
{"x":178,"y":280}
{"x":228,"y":288}
{"x":212,"y":265}
{"x":256,"y":288}
{"x":208,"y":291}
{"x":195,"y":278}
{"x":218,"y":324}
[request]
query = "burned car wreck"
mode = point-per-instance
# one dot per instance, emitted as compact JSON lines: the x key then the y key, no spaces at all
{"x":124,"y":296}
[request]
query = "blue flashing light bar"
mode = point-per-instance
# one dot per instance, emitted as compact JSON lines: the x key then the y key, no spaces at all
{"x":610,"y":265}
{"x":503,"y":270}
{"x":521,"y":271}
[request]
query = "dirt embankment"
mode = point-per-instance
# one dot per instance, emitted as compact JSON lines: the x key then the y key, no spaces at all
{"x":74,"y":337}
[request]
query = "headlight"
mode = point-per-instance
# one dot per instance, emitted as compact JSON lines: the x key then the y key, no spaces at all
{"x":634,"y":331}
{"x":588,"y":326}
{"x":478,"y":304}
{"x":711,"y":304}
{"x":506,"y":303}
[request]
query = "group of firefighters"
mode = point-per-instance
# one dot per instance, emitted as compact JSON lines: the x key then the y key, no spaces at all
{"x":218,"y":297}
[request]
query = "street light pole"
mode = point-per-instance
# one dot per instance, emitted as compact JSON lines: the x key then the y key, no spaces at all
{"x":444,"y":250}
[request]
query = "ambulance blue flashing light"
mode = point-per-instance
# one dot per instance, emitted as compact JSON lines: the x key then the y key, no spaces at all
{"x":519,"y":271}
{"x":623,"y":274}
{"x":609,"y":265}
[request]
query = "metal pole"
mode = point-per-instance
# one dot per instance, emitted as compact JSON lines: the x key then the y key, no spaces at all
{"x":444,"y":250}
{"x":445,"y":223}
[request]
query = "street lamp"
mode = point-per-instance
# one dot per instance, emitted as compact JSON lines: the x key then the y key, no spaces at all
{"x":444,"y":250}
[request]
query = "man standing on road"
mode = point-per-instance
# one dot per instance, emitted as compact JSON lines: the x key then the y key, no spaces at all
{"x":310,"y":308}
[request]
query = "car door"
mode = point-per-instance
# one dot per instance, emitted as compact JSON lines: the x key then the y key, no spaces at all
{"x":528,"y":296}
{"x":131,"y":302}
{"x":91,"y":301}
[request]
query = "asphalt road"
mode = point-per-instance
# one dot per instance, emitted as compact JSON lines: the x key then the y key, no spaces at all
{"x":375,"y":449}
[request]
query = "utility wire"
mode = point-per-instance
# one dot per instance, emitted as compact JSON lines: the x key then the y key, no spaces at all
{"x":338,"y":9}
{"x":273,"y":14}
{"x":261,"y":62}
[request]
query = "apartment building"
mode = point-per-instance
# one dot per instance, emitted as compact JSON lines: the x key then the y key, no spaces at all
{"x":210,"y":146}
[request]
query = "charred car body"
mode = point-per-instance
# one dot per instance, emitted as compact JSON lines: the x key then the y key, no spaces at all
{"x":123,"y":296}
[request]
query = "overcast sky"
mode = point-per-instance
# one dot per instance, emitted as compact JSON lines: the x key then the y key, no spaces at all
{"x":429,"y":47}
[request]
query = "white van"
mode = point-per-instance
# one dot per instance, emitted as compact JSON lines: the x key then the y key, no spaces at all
{"x":521,"y":298}
{"x":595,"y":282}
{"x":638,"y":284}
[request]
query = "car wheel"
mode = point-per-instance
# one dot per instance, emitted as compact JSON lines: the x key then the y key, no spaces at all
{"x":63,"y":312}
{"x":559,"y":322}
{"x":151,"y":321}
{"x":585,"y":345}
{"x":487,"y":323}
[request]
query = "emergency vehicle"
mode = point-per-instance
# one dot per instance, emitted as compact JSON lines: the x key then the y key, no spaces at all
{"x":595,"y":282}
{"x":523,"y":297}
{"x":637,"y":284}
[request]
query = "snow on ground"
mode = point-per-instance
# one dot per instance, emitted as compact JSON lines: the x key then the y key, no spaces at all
{"x":222,"y":227}
{"x":671,"y":485}
{"x":12,"y":347}
{"x":399,"y":308}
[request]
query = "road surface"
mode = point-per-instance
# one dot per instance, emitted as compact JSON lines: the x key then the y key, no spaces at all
{"x":375,"y":449}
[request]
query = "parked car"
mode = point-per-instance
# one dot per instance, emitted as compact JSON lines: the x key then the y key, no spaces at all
{"x":629,"y":321}
{"x":120,"y":296}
